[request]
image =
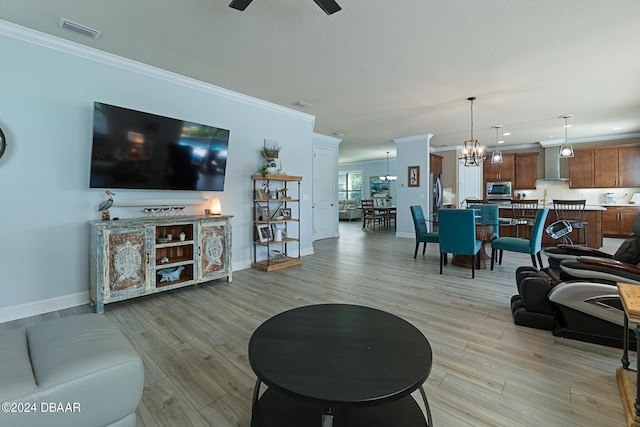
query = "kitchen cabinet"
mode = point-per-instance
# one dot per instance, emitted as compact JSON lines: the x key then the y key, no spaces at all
{"x":526,"y":171}
{"x":142,"y":256}
{"x":435,"y":163}
{"x":617,"y":220}
{"x":504,"y":171}
{"x":605,"y":167}
{"x":581,"y":169}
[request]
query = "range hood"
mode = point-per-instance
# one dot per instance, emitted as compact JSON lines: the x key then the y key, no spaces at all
{"x":552,"y":164}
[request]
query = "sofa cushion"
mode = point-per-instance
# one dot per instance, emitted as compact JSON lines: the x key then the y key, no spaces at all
{"x":81,"y":362}
{"x":16,"y":376}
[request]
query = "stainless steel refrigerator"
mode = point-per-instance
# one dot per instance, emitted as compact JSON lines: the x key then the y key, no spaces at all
{"x":435,"y":203}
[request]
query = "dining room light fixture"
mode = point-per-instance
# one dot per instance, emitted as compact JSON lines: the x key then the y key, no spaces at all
{"x":496,"y":156}
{"x":566,"y":149}
{"x":472,"y":153}
{"x":388,"y":177}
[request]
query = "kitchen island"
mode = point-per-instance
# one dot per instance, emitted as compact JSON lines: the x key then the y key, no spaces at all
{"x":592,"y":215}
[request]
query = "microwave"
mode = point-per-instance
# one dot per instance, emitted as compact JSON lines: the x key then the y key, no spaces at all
{"x":498,"y":190}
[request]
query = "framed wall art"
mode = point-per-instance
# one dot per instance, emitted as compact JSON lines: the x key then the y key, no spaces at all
{"x":414,"y":176}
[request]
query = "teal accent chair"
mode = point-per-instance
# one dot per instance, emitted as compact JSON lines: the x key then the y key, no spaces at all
{"x":458,"y":235}
{"x":422,"y":235}
{"x":533,"y":246}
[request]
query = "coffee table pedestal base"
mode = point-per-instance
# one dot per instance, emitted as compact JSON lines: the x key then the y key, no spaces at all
{"x":274,"y":409}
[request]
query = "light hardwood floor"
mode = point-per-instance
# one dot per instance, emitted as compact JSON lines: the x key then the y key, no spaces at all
{"x":486,"y":371}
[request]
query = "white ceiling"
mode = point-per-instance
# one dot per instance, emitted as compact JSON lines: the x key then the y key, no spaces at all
{"x":382,"y":69}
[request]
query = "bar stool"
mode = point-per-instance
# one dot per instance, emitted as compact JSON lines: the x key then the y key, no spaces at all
{"x":524,"y":212}
{"x":573,"y":212}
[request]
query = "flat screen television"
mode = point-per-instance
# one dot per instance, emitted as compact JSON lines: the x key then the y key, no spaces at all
{"x":138,"y":150}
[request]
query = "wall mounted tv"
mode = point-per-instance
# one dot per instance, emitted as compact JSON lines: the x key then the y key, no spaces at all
{"x":137,"y":150}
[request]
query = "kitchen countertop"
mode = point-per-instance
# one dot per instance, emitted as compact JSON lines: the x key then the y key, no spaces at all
{"x":586,"y":208}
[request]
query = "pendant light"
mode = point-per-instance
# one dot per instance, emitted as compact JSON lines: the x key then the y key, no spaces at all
{"x":496,"y":157}
{"x":566,"y":149}
{"x":472,"y":153}
{"x":388,"y":177}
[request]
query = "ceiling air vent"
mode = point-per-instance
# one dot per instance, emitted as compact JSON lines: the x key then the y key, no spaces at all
{"x":80,"y":29}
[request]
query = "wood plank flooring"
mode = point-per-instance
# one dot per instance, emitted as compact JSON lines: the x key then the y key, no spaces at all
{"x":486,"y":370}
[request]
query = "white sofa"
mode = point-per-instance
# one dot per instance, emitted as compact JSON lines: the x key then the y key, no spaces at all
{"x":75,"y":371}
{"x":349,"y":210}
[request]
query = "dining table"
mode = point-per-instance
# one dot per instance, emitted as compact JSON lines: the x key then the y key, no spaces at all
{"x":388,"y":213}
{"x":485,"y":233}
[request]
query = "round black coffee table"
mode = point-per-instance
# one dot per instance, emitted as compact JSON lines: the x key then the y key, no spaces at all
{"x":339,"y":365}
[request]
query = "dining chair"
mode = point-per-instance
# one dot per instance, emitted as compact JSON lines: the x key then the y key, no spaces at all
{"x":573,"y":212}
{"x":532,"y":246}
{"x":457,"y":235}
{"x":422,"y":235}
{"x":524,"y":211}
{"x":489,"y":215}
{"x":370,"y":215}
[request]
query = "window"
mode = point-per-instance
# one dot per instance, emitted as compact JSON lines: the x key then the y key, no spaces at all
{"x":350,"y":186}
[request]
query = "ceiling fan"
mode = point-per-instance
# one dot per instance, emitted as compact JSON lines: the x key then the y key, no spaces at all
{"x":329,"y":6}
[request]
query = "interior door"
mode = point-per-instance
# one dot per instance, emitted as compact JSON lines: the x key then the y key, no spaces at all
{"x":324,"y":193}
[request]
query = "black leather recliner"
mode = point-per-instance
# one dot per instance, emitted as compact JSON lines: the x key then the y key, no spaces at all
{"x":576,"y":296}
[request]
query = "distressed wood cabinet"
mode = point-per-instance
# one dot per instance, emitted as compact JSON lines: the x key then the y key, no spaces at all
{"x":142,"y":256}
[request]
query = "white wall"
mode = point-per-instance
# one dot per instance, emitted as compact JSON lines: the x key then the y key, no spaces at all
{"x":47,"y":88}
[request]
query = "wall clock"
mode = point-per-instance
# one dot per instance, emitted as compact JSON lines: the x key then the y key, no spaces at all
{"x":3,"y":143}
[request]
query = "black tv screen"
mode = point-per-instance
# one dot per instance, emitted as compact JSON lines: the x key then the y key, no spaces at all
{"x":137,"y":150}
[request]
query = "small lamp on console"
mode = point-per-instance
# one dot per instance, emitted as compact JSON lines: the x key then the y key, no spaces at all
{"x":215,"y":207}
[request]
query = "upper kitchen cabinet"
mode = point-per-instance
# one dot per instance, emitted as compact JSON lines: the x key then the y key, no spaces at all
{"x":504,"y":171}
{"x":526,"y":165}
{"x":581,"y":169}
{"x":435,"y":163}
{"x":617,"y":166}
{"x":606,"y":167}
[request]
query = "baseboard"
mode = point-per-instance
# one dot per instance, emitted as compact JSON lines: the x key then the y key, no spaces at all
{"x":35,"y":308}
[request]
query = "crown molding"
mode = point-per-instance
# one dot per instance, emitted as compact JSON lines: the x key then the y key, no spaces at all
{"x":28,"y":35}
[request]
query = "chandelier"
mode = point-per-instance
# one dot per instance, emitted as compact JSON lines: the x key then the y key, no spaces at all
{"x":472,"y":153}
{"x":388,"y":177}
{"x":496,"y":157}
{"x":566,"y":149}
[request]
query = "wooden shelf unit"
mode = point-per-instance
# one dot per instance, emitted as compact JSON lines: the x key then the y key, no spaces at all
{"x":265,"y":257}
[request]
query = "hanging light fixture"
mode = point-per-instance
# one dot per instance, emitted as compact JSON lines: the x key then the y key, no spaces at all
{"x":496,"y":157}
{"x":388,"y":177}
{"x":566,"y":149}
{"x":472,"y":153}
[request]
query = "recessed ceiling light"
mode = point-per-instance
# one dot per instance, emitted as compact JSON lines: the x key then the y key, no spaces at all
{"x":500,"y":142}
{"x":506,"y":134}
{"x":302,"y":104}
{"x":618,"y":128}
{"x":339,"y":134}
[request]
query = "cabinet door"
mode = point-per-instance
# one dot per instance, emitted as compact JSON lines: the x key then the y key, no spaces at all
{"x":508,"y":167}
{"x":610,"y":222}
{"x":499,"y":171}
{"x":526,"y":171}
{"x":126,"y":268}
{"x":626,"y":221}
{"x":213,"y":250}
{"x":435,"y":163}
{"x":605,"y":167}
{"x":629,"y":166}
{"x":581,"y":169}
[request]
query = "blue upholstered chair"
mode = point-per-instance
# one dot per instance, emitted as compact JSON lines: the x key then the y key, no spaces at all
{"x":422,"y":235}
{"x":532,"y":246}
{"x":458,"y":235}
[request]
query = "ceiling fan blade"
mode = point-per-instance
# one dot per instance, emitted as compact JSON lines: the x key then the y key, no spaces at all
{"x":329,"y":6}
{"x":240,"y":4}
